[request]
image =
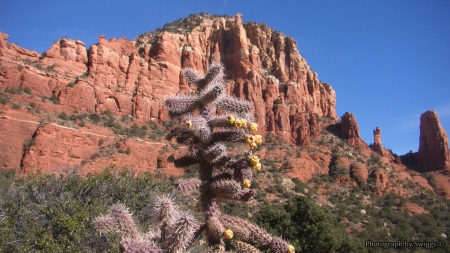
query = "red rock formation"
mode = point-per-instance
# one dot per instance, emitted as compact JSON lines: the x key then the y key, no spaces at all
{"x":54,"y":147}
{"x":304,"y":167}
{"x":377,"y":146}
{"x":131,"y":83}
{"x":385,"y":153}
{"x":422,"y":182}
{"x":433,"y":144}
{"x":381,"y":181}
{"x":66,"y":56}
{"x":358,"y":172}
{"x":304,"y":127}
{"x":16,"y":133}
{"x":14,"y":52}
{"x":414,"y":209}
{"x":349,"y":130}
{"x":133,"y":77}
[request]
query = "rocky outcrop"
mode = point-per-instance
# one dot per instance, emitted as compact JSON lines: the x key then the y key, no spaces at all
{"x":433,"y":151}
{"x":16,"y":131}
{"x":359,"y":172}
{"x":381,"y":181}
{"x":14,"y":52}
{"x":433,"y":154}
{"x":66,"y":56}
{"x":304,"y":167}
{"x":53,"y":147}
{"x":304,"y":127}
{"x":385,"y":153}
{"x":349,"y":130}
{"x":377,"y":146}
{"x":414,"y":209}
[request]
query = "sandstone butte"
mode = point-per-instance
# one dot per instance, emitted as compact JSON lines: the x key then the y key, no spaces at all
{"x":133,"y":78}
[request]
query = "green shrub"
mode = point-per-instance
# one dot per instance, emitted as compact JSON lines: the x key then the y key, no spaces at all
{"x":27,"y":90}
{"x":14,"y":90}
{"x":63,"y":116}
{"x":47,"y":213}
{"x":54,"y":99}
{"x":4,"y":99}
{"x":95,"y":118}
{"x":16,"y":106}
{"x":310,"y":227}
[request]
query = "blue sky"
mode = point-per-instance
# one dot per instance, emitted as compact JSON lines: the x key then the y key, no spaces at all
{"x":388,"y":61}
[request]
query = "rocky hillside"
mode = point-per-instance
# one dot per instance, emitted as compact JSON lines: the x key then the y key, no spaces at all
{"x":90,"y":107}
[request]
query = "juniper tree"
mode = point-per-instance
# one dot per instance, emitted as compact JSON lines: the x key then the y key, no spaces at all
{"x":211,"y":119}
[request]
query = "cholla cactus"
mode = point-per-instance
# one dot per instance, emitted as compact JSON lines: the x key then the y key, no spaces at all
{"x":220,"y":175}
{"x":172,"y":230}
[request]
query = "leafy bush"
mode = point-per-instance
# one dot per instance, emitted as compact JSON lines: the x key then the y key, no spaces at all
{"x":311,"y":228}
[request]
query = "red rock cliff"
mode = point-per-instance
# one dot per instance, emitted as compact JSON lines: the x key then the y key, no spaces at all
{"x":132,"y":77}
{"x":433,"y":144}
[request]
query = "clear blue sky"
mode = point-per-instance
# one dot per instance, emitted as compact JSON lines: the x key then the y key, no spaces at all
{"x":388,"y":61}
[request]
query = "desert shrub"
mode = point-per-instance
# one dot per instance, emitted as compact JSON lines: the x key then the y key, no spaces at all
{"x":14,"y":90}
{"x":4,"y":99}
{"x":47,"y":213}
{"x":54,"y":99}
{"x":95,"y":118}
{"x":137,"y":132}
{"x":27,"y":90}
{"x":431,"y":180}
{"x":16,"y":106}
{"x":63,"y":116}
{"x":311,"y":228}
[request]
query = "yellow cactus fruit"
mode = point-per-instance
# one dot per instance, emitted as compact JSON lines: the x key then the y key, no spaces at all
{"x":257,"y":166}
{"x":246,"y":183}
{"x":291,"y":249}
{"x":228,"y":234}
{"x":243,"y":123}
{"x":169,"y":137}
{"x":249,"y":139}
{"x":252,"y":145}
{"x":238,"y":123}
{"x":188,"y":123}
{"x":258,"y":139}
{"x":253,"y":127}
{"x":254,"y":160}
{"x":231,"y":119}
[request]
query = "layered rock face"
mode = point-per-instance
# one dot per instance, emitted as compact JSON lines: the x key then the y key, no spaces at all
{"x":433,"y":144}
{"x":133,"y":77}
